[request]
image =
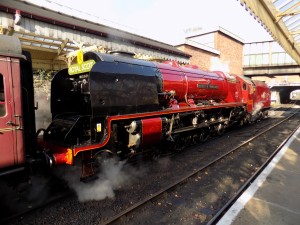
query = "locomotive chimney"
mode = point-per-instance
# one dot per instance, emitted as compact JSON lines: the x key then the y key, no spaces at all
{"x":123,"y":53}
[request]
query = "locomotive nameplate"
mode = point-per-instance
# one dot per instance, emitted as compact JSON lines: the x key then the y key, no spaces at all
{"x":81,"y":68}
{"x":207,"y":86}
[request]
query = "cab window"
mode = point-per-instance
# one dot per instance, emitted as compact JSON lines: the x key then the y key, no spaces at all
{"x":2,"y":97}
{"x":244,"y":86}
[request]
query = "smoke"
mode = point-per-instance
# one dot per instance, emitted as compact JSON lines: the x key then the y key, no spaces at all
{"x":112,"y":176}
{"x":219,"y":65}
{"x":43,"y":114}
{"x":40,"y":188}
{"x":23,"y":195}
{"x":164,"y":162}
{"x":257,"y":107}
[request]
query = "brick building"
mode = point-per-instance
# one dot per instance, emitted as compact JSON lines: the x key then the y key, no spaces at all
{"x":216,"y":49}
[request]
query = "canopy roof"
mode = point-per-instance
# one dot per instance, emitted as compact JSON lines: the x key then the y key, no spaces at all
{"x":282,"y":19}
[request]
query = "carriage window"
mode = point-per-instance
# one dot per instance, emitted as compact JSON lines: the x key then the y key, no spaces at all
{"x":2,"y":97}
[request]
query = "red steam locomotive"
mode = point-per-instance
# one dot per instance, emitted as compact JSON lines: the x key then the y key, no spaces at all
{"x":117,"y":105}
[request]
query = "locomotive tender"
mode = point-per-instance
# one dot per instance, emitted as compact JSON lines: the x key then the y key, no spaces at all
{"x":117,"y":105}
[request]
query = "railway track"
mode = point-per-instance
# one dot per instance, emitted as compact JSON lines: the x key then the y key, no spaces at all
{"x":158,"y":194}
{"x":20,"y":204}
{"x":177,"y":183}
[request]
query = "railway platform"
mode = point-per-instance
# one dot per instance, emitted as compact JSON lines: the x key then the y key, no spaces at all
{"x":274,"y":197}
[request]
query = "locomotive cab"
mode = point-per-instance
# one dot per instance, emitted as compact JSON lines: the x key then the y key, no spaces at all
{"x":70,"y":108}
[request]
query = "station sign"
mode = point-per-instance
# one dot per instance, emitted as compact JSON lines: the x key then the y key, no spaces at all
{"x":83,"y":67}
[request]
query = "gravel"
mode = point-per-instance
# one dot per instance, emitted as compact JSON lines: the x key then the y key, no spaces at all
{"x":194,"y":202}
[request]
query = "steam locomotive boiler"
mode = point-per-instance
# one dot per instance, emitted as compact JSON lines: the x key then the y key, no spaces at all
{"x":110,"y":104}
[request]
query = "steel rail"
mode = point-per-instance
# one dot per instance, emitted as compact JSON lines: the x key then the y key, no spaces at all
{"x":159,"y":193}
{"x":227,"y":206}
{"x":176,"y":183}
{"x":31,"y":209}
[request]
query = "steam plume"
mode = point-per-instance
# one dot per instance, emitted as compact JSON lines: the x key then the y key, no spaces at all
{"x":257,"y":107}
{"x":114,"y":175}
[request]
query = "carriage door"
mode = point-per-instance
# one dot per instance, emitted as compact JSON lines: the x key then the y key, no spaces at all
{"x":11,"y":137}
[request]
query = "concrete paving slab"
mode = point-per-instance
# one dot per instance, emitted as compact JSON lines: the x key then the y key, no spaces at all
{"x":290,"y":161}
{"x":259,"y":212}
{"x":274,"y":197}
{"x":281,"y":188}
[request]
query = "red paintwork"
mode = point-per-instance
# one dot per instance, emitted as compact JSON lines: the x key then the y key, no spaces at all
{"x":261,"y":96}
{"x":151,"y":131}
{"x":232,"y":87}
{"x":257,"y":95}
{"x":60,"y":158}
{"x":17,"y":103}
{"x":185,"y":82}
{"x":61,"y":155}
{"x":65,"y":157}
{"x":247,"y":94}
{"x":12,"y":150}
{"x":78,"y":149}
{"x":192,"y":66}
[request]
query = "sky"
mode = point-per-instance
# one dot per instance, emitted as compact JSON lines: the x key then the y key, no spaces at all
{"x":168,"y":21}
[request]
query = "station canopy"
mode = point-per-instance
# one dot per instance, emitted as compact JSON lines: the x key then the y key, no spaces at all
{"x":53,"y":35}
{"x":282,"y":19}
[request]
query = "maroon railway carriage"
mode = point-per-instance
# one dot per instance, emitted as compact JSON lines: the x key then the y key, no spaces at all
{"x":17,"y":120}
{"x":123,"y":106}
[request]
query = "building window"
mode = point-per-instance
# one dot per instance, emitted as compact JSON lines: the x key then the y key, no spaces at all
{"x":2,"y":97}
